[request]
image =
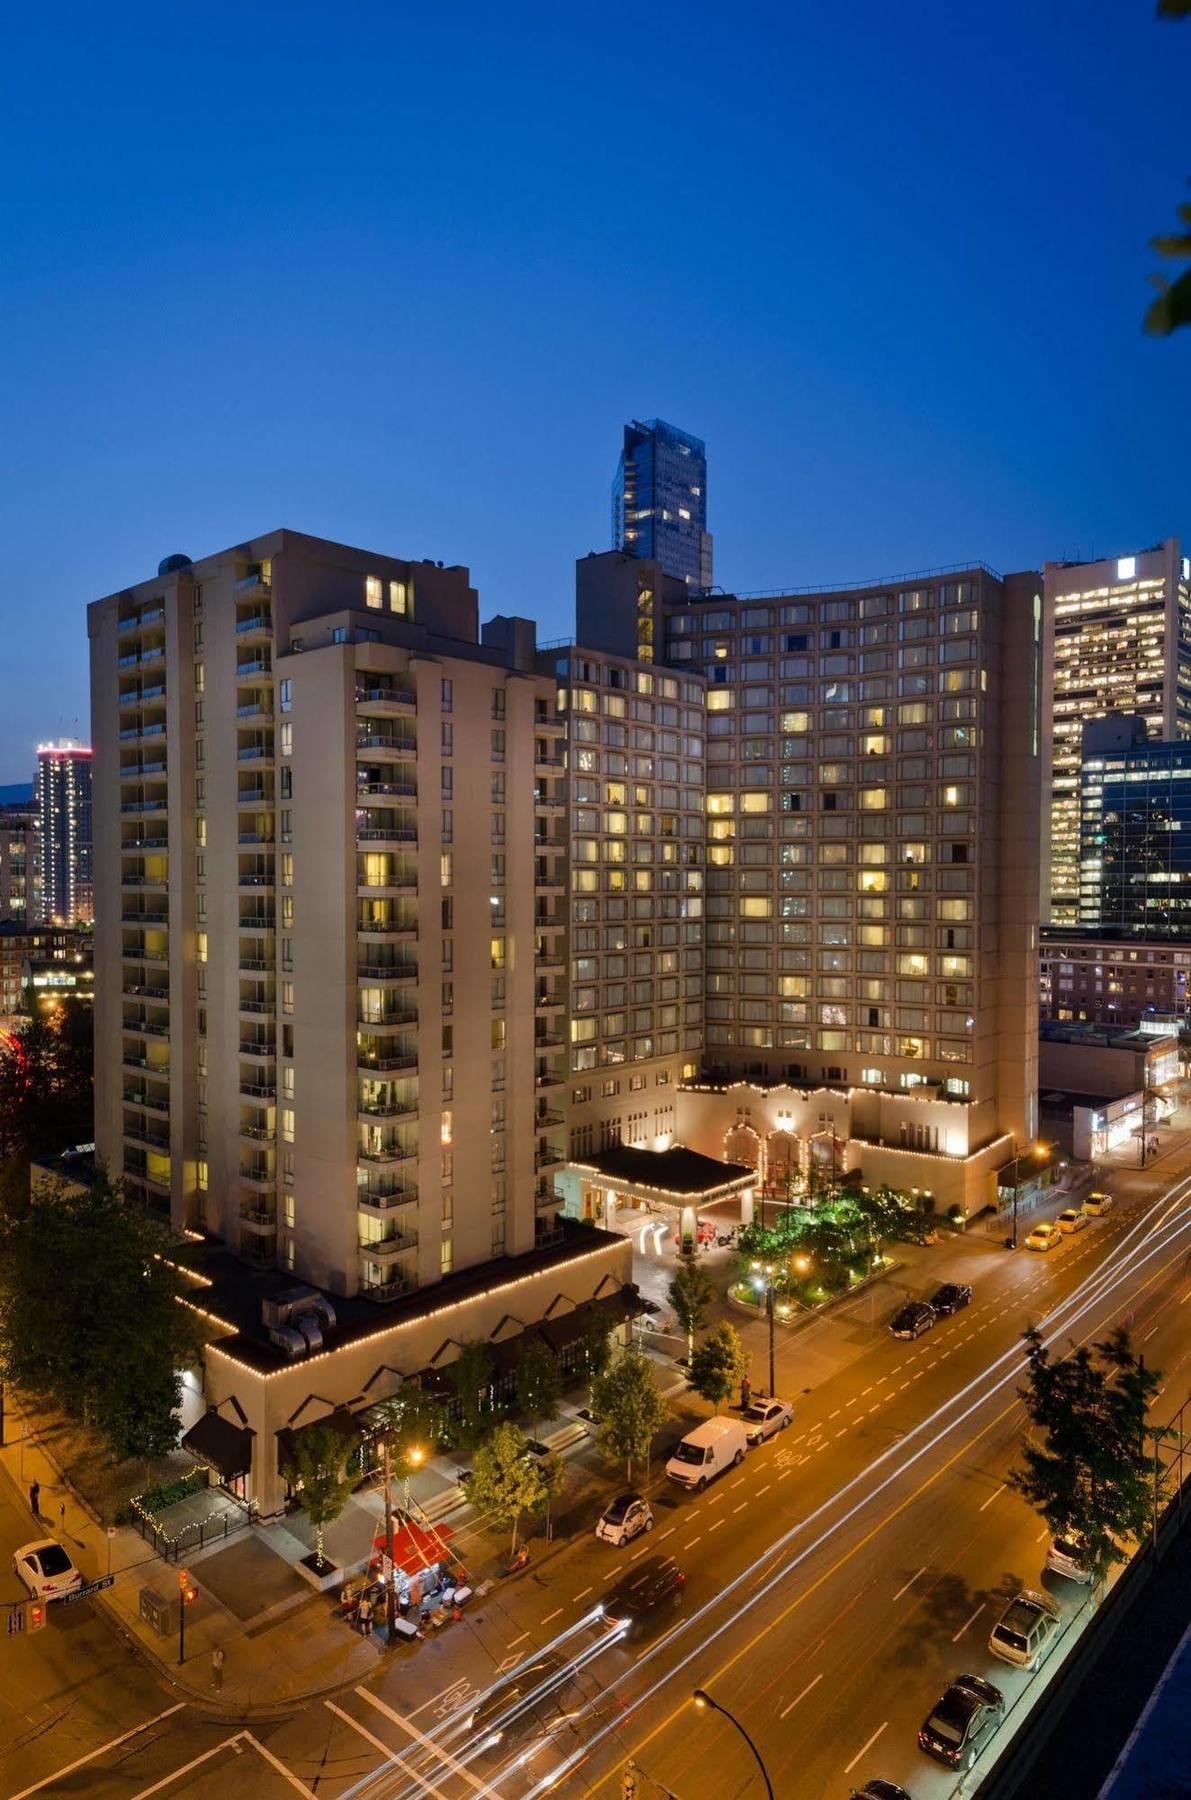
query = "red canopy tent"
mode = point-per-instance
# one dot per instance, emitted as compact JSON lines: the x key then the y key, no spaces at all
{"x":414,"y":1547}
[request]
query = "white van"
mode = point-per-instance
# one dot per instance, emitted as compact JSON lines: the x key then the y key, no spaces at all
{"x":706,"y":1452}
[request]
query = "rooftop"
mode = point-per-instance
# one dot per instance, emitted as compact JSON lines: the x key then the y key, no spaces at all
{"x":676,"y":1171}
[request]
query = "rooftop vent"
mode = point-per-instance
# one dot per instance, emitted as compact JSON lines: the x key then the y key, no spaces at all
{"x":169,"y":565}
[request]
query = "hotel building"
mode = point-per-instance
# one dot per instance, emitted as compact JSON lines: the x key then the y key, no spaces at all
{"x":331,"y":863}
{"x":1117,"y":639}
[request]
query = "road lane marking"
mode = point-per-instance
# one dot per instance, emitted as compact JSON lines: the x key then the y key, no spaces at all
{"x":583,"y":1592}
{"x":553,"y":1615}
{"x":836,"y":1413}
{"x":195,"y":1763}
{"x":842,"y":1432}
{"x":740,"y":1508}
{"x":419,"y":1737}
{"x":692,"y":1541}
{"x":662,"y":1536}
{"x":763,"y":1490}
{"x":802,"y":1434}
{"x":907,"y":1584}
{"x":867,"y":1390}
{"x":513,"y":1643}
{"x":715,"y":1525}
{"x":806,"y":1690}
{"x":1042,"y":1534}
{"x":275,"y":1762}
{"x":102,"y":1750}
{"x":992,"y":1496}
{"x":716,"y":1498}
{"x":971,"y":1621}
{"x":865,"y":1748}
{"x":393,"y":1758}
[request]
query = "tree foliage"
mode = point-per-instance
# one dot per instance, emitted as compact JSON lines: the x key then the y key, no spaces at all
{"x":718,"y":1365}
{"x":415,"y":1425}
{"x":507,"y":1481}
{"x":471,"y":1381}
{"x":538,"y":1381}
{"x":629,"y":1407}
{"x":45,"y":1084}
{"x":315,"y":1466}
{"x":1172,"y":308}
{"x":596,"y":1345}
{"x":691,"y":1294}
{"x":1089,"y":1473}
{"x":89,"y":1315}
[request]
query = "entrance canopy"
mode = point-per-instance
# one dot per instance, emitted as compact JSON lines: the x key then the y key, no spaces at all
{"x":674,"y":1177}
{"x":215,"y":1440}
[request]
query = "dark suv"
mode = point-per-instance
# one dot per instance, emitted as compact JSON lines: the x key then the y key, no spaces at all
{"x":963,"y":1721}
{"x":646,"y":1596}
{"x":913,"y":1320}
{"x":950,"y":1297}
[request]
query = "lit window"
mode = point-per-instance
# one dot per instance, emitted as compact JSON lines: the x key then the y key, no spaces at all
{"x":374,"y":592}
{"x":397,"y":597}
{"x":1126,"y":568}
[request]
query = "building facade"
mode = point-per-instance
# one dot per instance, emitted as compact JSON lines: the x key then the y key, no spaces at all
{"x":872,"y":793}
{"x":64,"y":827}
{"x":330,"y":1012}
{"x":659,"y":501}
{"x":20,"y":864}
{"x":1113,"y":980}
{"x":1135,"y":831}
{"x":1117,"y":639}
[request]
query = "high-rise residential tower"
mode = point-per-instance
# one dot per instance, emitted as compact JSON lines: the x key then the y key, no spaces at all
{"x":659,"y":501}
{"x":1117,"y":639}
{"x":329,"y":1019}
{"x":20,"y":863}
{"x":64,"y":824}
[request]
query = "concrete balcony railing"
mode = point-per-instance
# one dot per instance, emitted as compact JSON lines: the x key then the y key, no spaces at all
{"x":392,"y":1289}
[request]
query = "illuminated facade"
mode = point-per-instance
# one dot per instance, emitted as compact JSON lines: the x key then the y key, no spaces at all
{"x":20,"y":863}
{"x":1117,"y":639}
{"x":1135,"y":836}
{"x":64,"y":824}
{"x":659,"y":501}
{"x":1109,"y":979}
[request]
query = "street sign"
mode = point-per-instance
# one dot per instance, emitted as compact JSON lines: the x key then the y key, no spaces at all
{"x":89,"y":1588}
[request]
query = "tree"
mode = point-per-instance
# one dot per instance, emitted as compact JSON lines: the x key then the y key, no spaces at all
{"x":45,"y":1084}
{"x":507,"y":1481}
{"x":90,"y":1320}
{"x":1090,"y":1477}
{"x":538,"y":1382}
{"x":718,"y":1365}
{"x":315,"y":1466}
{"x":691,"y":1293}
{"x":629,"y":1408}
{"x":470,"y":1376}
{"x":1172,"y":308}
{"x":415,"y":1426}
{"x":596,"y":1348}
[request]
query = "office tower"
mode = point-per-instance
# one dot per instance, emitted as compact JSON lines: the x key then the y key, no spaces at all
{"x":64,"y":823}
{"x":1135,"y":830}
{"x":331,"y":875}
{"x":1109,"y":978}
{"x":1117,"y":639}
{"x":659,"y":501}
{"x":872,"y":769}
{"x":20,"y":864}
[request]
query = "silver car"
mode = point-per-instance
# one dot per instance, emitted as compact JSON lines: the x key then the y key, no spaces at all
{"x":764,"y":1417}
{"x":1026,"y":1630}
{"x":1067,"y":1556}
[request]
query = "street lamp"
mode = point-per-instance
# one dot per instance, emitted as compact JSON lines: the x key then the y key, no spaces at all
{"x":415,"y":1456}
{"x":703,"y":1700}
{"x":764,"y":1277}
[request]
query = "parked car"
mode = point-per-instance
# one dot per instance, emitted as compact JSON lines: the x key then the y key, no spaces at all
{"x":46,"y":1569}
{"x":706,"y":1452}
{"x":912,"y":1320}
{"x":962,"y":1723}
{"x":1067,"y":1556}
{"x":646,"y":1597}
{"x":949,"y":1298}
{"x":1026,"y":1629}
{"x":878,"y":1789}
{"x":765,"y":1416}
{"x":1044,"y":1236}
{"x":1072,"y":1218}
{"x":514,"y":1706}
{"x":625,"y":1518}
{"x":1098,"y":1203}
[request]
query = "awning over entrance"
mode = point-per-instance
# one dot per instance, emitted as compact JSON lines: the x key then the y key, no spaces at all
{"x":674,"y":1177}
{"x":215,"y":1440}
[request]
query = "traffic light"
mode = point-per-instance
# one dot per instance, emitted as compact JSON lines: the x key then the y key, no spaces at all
{"x":35,"y":1613}
{"x":186,"y":1587}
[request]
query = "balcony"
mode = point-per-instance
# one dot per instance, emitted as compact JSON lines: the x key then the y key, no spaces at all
{"x":387,"y":790}
{"x":396,"y":1018}
{"x":259,"y":1049}
{"x":393,"y":1243}
{"x":257,"y":1008}
{"x":144,"y":1028}
{"x":399,"y":880}
{"x":250,"y":753}
{"x":259,"y":1253}
{"x":257,"y":1217}
{"x":547,"y":1118}
{"x":545,"y":1079}
{"x":145,"y":1135}
{"x":137,"y":992}
{"x":261,"y":708}
{"x":545,"y":1001}
{"x":259,"y":1178}
{"x":258,"y":922}
{"x":255,"y":583}
{"x":386,"y":745}
{"x":387,"y":1109}
{"x":545,"y":1040}
{"x":256,"y":878}
{"x":144,"y":807}
{"x":385,"y":1060}
{"x":393,"y":1289}
{"x":403,"y":925}
{"x":255,"y":796}
{"x":253,"y":965}
{"x":384,"y":1156}
{"x":381,"y":1193}
{"x":385,"y":699}
{"x":377,"y":836}
{"x":148,"y":1100}
{"x":144,"y":916}
{"x":138,"y":621}
{"x":257,"y":1091}
{"x":547,"y":960}
{"x":255,"y":627}
{"x":257,"y":668}
{"x":258,"y":1134}
{"x":140,"y":1065}
{"x":548,"y":1158}
{"x":387,"y":971}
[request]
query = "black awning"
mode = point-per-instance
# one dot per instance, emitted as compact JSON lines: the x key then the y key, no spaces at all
{"x":610,"y":1309}
{"x":215,"y":1440}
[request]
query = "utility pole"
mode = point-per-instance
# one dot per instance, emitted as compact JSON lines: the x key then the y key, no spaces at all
{"x":390,"y":1585}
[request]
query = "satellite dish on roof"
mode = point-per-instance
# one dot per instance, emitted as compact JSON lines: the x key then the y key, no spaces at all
{"x":169,"y":565}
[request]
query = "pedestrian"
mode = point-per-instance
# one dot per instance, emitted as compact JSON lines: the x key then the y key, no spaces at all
{"x":347,"y":1599}
{"x":35,"y":1498}
{"x":364,"y":1616}
{"x":62,"y":1517}
{"x":746,"y":1392}
{"x":217,"y":1668}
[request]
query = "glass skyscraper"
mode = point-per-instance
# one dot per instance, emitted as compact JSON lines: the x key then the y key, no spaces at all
{"x":659,"y":501}
{"x":1135,"y":838}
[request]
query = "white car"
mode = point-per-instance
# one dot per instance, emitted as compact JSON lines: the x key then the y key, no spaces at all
{"x":1026,"y":1630}
{"x":1066,"y":1556}
{"x":764,"y":1417}
{"x":1043,"y":1237}
{"x":1097,"y":1204}
{"x":625,"y":1518}
{"x":1072,"y":1219}
{"x":46,"y":1570}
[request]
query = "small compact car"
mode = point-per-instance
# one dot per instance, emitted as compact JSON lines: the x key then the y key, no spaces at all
{"x":1072,"y":1218}
{"x":950,"y":1297}
{"x":625,"y":1518}
{"x":962,"y":1723}
{"x":1098,"y":1203}
{"x":913,"y":1319}
{"x":1043,"y":1237}
{"x":763,"y":1417}
{"x":1026,"y":1630}
{"x":46,"y":1570}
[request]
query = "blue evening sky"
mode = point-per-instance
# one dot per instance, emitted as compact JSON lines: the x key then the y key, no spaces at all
{"x":397,"y":275}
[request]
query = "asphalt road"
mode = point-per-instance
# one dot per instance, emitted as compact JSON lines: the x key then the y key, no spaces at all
{"x":834,"y":1583}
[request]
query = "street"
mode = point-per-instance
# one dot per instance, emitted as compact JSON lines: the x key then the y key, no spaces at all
{"x":834,"y":1583}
